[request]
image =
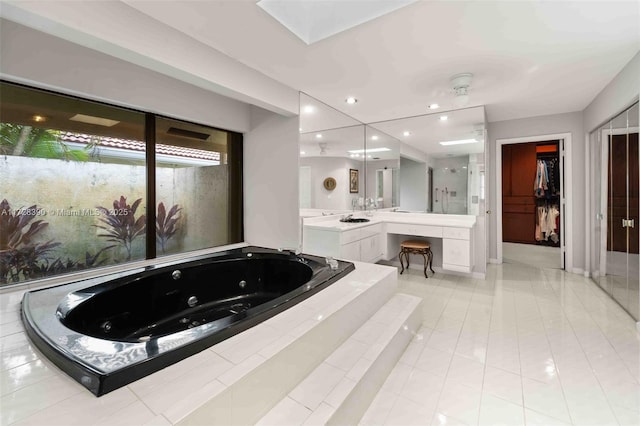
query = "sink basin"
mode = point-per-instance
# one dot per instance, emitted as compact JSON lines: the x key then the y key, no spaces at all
{"x":355,"y":220}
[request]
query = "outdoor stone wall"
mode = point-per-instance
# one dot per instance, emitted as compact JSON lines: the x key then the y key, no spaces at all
{"x":68,"y":193}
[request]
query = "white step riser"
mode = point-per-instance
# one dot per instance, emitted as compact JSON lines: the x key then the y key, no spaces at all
{"x":359,"y":399}
{"x":247,"y":400}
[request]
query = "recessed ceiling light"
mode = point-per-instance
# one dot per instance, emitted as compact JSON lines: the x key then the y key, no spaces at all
{"x":302,"y":153}
{"x":361,"y":151}
{"x":39,"y":118}
{"x":318,"y":135}
{"x":374,"y":137}
{"x":300,"y":129}
{"x":89,"y":119}
{"x":458,"y":142}
{"x":369,"y":156}
{"x":433,"y":106}
{"x":406,"y":133}
{"x":308,"y":109}
{"x":351,"y":100}
{"x":443,"y":118}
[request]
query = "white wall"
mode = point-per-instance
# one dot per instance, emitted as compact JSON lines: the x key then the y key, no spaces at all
{"x":615,"y":97}
{"x":271,"y":213}
{"x":413,"y":185}
{"x":120,"y":30}
{"x":337,"y":168}
{"x":533,"y":126}
{"x":40,"y":60}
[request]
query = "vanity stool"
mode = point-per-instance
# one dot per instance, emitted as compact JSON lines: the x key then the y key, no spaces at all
{"x":408,"y":247}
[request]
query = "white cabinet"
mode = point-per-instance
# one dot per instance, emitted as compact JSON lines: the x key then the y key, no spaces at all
{"x":370,"y":243}
{"x":457,"y":249}
{"x":350,"y":251}
{"x":370,"y":249}
{"x":360,"y":244}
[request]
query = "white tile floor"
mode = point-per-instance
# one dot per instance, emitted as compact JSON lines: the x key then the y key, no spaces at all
{"x":527,"y":346}
{"x":530,"y":254}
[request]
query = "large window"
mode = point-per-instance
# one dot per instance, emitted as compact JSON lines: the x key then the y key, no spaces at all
{"x":76,"y":184}
{"x":193,"y":186}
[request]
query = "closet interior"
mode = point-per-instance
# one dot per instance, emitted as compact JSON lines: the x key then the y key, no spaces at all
{"x":531,"y":193}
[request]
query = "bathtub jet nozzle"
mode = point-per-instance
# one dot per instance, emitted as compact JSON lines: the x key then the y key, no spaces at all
{"x":176,"y":275}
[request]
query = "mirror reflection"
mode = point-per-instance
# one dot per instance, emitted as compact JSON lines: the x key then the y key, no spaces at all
{"x":332,"y":161}
{"x":432,"y":163}
{"x":441,"y":161}
{"x":382,"y":154}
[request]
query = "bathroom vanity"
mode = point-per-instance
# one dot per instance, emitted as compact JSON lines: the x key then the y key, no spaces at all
{"x":378,"y":239}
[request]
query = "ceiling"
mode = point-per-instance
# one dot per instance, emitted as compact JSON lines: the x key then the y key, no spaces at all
{"x":528,"y":58}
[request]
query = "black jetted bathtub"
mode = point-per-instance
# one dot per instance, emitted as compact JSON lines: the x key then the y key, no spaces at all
{"x":110,"y":331}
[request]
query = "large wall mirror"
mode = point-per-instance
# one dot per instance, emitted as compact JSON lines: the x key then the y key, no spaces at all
{"x":332,"y":160}
{"x":441,"y":161}
{"x":432,"y":163}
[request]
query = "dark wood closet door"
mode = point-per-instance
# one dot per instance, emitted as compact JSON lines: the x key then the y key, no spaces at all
{"x":518,"y":202}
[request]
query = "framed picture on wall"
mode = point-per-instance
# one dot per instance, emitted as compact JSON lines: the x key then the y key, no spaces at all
{"x":353,"y":181}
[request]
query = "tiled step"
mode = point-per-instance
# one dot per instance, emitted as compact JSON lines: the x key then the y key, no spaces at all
{"x":341,"y":388}
{"x":272,"y":358}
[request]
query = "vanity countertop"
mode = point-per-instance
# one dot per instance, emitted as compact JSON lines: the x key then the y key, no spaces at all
{"x":332,"y":223}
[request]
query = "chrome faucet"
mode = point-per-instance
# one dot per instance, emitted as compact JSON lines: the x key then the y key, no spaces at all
{"x":333,"y":264}
{"x":290,"y":250}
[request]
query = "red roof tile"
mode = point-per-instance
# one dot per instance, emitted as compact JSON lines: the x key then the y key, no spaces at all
{"x":139,"y":146}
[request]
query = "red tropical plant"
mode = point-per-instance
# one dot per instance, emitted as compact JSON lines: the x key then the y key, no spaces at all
{"x":166,"y":224}
{"x":19,"y":255}
{"x":120,"y":223}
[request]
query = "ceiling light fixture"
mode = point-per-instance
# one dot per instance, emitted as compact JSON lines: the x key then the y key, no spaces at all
{"x":318,"y":135}
{"x":460,"y":84}
{"x":308,"y":109}
{"x":39,"y":118}
{"x":361,"y":151}
{"x":351,"y":100}
{"x":433,"y":106}
{"x":89,"y":119}
{"x":458,"y":142}
{"x":302,"y":153}
{"x":406,"y":133}
{"x":374,"y":137}
{"x":443,"y":118}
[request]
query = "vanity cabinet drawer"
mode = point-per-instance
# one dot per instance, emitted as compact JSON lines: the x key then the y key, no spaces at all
{"x":456,"y":233}
{"x":418,"y":230}
{"x":371,"y":230}
{"x":352,"y":235}
{"x":347,"y":237}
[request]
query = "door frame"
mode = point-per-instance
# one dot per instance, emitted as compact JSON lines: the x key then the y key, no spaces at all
{"x":566,"y":200}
